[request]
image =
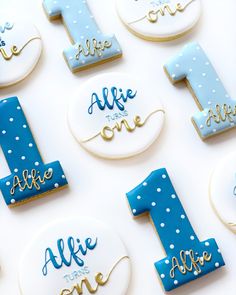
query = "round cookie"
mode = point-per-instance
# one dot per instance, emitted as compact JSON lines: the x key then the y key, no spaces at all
{"x":115,"y":116}
{"x":159,"y":20}
{"x":20,"y":50}
{"x":75,"y":256}
{"x":223,"y":191}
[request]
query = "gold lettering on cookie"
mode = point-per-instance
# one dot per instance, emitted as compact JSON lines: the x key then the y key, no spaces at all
{"x":107,"y":133}
{"x":30,"y":180}
{"x":153,"y":15}
{"x":221,"y":114}
{"x":189,"y":262}
{"x":15,"y":51}
{"x":99,"y":279}
{"x":92,"y":48}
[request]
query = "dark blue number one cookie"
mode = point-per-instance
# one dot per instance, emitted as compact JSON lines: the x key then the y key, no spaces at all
{"x":187,"y":258}
{"x":30,"y":177}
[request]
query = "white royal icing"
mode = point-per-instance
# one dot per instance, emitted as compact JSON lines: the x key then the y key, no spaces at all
{"x":159,"y":20}
{"x":105,"y":254}
{"x":20,"y":50}
{"x":223,"y":191}
{"x":133,"y":98}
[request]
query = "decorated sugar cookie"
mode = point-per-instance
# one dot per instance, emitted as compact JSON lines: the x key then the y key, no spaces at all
{"x":75,"y":256}
{"x":90,"y":46}
{"x":115,"y":116}
{"x":217,"y":110}
{"x":30,"y":177}
{"x":223,"y":191}
{"x":159,"y":20}
{"x":20,"y":50}
{"x":187,"y":258}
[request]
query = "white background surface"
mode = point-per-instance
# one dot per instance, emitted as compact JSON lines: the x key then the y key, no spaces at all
{"x":97,"y":187}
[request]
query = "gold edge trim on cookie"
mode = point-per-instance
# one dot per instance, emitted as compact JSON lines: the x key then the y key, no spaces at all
{"x":188,"y":85}
{"x":73,"y":42}
{"x":173,"y":82}
{"x":161,"y":12}
{"x":27,"y":74}
{"x":86,"y":67}
{"x":214,"y":134}
{"x":193,"y":95}
{"x":106,"y":157}
{"x":191,"y":92}
{"x":118,"y":127}
{"x":230,"y":226}
{"x":15,"y":51}
{"x":59,"y":18}
{"x":148,"y":216}
{"x":51,"y":18}
{"x":100,"y":279}
{"x":39,"y":196}
{"x":198,"y":131}
{"x":158,"y":39}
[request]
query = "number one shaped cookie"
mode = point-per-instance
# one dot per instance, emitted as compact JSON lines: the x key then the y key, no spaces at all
{"x":30,"y":177}
{"x":187,"y":258}
{"x":90,"y":47}
{"x":218,"y":110}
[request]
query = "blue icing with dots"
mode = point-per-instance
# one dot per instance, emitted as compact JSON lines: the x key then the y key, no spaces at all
{"x":187,"y":258}
{"x":218,"y":110}
{"x":90,"y":46}
{"x":29,"y":177}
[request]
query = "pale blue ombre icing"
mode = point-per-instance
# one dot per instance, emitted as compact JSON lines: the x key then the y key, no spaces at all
{"x":111,"y":98}
{"x":6,"y":26}
{"x":157,"y":196}
{"x":82,"y":28}
{"x":193,"y":64}
{"x":22,"y":154}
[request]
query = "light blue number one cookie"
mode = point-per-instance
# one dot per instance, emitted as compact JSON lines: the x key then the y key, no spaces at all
{"x":218,"y":110}
{"x":29,"y":177}
{"x":90,"y":47}
{"x":187,"y":258}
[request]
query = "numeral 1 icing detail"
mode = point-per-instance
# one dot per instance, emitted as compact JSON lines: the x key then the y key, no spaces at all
{"x":29,"y":177}
{"x":90,"y":46}
{"x":217,"y":110}
{"x":187,"y":258}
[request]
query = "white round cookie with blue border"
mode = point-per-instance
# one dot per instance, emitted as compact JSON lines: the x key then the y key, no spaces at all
{"x":75,"y":256}
{"x":159,"y":20}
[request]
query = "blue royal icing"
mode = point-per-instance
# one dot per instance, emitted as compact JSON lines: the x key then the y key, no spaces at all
{"x":90,"y":46}
{"x":71,"y":252}
{"x":110,"y":98}
{"x":29,"y":177}
{"x":218,"y":110}
{"x":187,"y":258}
